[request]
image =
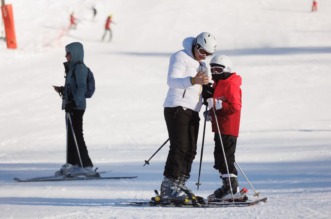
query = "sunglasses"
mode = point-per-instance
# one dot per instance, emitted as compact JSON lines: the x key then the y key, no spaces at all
{"x":217,"y":69}
{"x":203,"y":52}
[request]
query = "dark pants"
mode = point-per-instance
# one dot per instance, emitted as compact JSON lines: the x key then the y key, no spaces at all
{"x":183,"y":129}
{"x":110,"y":34}
{"x":72,"y":155}
{"x":229,"y":143}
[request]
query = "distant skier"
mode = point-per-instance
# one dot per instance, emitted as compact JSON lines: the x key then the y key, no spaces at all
{"x":108,"y":29}
{"x":186,"y":74}
{"x":94,"y":11}
{"x":74,"y":103}
{"x":226,"y":102}
{"x":73,"y":21}
{"x":314,"y":5}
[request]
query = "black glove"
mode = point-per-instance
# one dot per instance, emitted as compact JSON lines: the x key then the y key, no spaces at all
{"x":69,"y":107}
{"x":59,"y":90}
{"x":207,"y":91}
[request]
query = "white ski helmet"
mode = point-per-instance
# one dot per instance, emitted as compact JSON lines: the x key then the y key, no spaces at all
{"x":223,"y":61}
{"x":206,"y":41}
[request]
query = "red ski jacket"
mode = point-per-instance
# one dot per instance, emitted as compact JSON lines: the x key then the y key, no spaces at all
{"x":108,"y":22}
{"x":228,"y":116}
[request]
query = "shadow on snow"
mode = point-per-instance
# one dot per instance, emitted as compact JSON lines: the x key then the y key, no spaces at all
{"x":245,"y":52}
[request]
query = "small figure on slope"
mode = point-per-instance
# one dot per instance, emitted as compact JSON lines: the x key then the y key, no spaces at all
{"x":94,"y":11}
{"x":314,"y":6}
{"x":73,"y":21}
{"x":108,"y":29}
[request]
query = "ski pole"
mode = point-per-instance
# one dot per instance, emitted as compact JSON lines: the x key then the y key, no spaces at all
{"x":73,"y":134}
{"x":255,"y":192}
{"x":225,"y":160}
{"x":203,"y":142}
{"x":147,"y":161}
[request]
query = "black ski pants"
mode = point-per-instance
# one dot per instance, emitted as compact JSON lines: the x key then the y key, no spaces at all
{"x":183,"y":129}
{"x":230,"y":144}
{"x":77,"y":125}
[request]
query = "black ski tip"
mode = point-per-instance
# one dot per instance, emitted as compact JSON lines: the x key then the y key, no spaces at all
{"x":265,"y":199}
{"x":17,"y":179}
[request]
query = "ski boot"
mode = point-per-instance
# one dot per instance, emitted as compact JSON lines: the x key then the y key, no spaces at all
{"x":191,"y":197}
{"x":75,"y":170}
{"x":224,"y":193}
{"x":170,"y":192}
{"x":65,"y":169}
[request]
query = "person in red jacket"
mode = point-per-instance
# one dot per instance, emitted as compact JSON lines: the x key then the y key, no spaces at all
{"x":226,"y":105}
{"x":107,"y":29}
{"x":314,"y":5}
{"x":73,"y":21}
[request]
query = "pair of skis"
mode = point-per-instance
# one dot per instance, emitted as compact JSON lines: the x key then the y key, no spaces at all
{"x":71,"y":178}
{"x":198,"y":202}
{"x":197,"y":205}
{"x":195,"y":202}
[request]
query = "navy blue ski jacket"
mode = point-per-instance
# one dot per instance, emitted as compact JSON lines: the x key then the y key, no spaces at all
{"x":75,"y":84}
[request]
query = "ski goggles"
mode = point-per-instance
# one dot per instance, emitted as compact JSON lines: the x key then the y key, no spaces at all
{"x":217,"y":69}
{"x":202,"y":51}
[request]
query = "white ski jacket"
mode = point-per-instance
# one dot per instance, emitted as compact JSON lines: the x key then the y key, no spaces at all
{"x":182,"y":67}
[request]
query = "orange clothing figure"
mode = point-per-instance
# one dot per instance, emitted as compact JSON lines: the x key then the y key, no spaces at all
{"x":73,"y":21}
{"x":107,"y":28}
{"x":314,"y":6}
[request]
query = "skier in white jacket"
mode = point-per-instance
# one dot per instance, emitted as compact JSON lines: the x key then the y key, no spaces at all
{"x":186,"y":75}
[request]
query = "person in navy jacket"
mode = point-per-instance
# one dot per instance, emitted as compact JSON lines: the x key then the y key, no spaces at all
{"x":74,"y":103}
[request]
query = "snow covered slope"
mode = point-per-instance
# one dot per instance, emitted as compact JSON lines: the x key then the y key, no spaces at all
{"x":281,"y":50}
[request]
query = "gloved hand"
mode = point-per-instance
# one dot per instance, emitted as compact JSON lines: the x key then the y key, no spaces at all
{"x":69,"y":107}
{"x":210,"y":102}
{"x":202,"y":69}
{"x":207,"y":91}
{"x":59,"y":89}
{"x":207,"y":115}
{"x":217,"y":103}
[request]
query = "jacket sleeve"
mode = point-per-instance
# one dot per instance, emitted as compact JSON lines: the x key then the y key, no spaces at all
{"x":81,"y":78}
{"x":232,"y":104}
{"x":176,"y":73}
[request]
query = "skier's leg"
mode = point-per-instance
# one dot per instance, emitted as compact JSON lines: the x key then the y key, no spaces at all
{"x":72,"y":156}
{"x":229,"y":143}
{"x":104,"y":35}
{"x":218,"y":153}
{"x":77,"y":120}
{"x":229,"y":179}
{"x":192,"y":146}
{"x":110,"y":35}
{"x":191,"y":152}
{"x":178,"y":125}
